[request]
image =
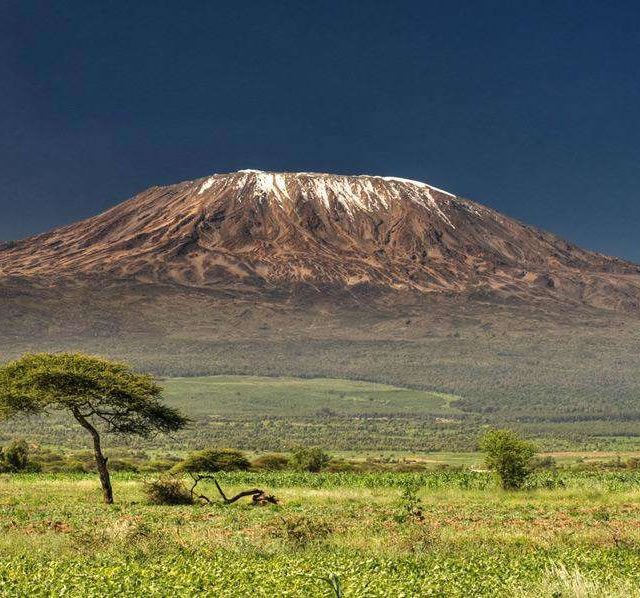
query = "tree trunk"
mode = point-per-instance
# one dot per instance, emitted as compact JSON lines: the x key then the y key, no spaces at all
{"x":101,"y":460}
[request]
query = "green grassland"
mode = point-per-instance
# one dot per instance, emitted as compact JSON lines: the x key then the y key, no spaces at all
{"x":259,"y":413}
{"x":254,"y":396}
{"x":578,"y":537}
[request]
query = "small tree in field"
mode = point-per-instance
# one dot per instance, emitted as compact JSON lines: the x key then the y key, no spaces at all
{"x":98,"y":394}
{"x":509,"y":456}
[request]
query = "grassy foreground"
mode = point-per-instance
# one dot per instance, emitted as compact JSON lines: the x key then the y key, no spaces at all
{"x":459,"y":536}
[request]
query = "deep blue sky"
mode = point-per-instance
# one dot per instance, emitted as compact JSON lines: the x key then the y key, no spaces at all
{"x":531,"y":107}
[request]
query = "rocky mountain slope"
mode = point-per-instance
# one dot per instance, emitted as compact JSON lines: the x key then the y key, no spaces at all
{"x":259,"y":231}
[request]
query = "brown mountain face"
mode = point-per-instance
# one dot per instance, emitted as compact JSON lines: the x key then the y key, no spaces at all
{"x":256,"y":232}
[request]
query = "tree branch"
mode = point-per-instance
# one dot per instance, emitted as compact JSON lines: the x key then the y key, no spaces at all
{"x":260,"y":497}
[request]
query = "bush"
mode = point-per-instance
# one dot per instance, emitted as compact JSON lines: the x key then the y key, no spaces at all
{"x":271,"y":462}
{"x":122,"y":465}
{"x":508,"y":456}
{"x":167,"y":491}
{"x":310,"y":459}
{"x":156,"y":466}
{"x":410,"y":507}
{"x":212,"y":460}
{"x":15,"y":457}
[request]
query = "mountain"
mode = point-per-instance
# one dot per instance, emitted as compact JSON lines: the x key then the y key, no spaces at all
{"x":269,"y":233}
{"x":359,"y":277}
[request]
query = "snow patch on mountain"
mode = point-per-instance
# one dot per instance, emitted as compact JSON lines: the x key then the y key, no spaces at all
{"x":400,"y":180}
{"x":441,"y":191}
{"x":416,"y":183}
{"x":206,"y":185}
{"x":353,"y":194}
{"x":272,"y":184}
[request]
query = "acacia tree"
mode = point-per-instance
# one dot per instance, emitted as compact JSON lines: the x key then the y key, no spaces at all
{"x":101,"y":395}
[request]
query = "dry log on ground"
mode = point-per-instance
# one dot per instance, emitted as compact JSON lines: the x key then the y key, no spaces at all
{"x":259,"y":496}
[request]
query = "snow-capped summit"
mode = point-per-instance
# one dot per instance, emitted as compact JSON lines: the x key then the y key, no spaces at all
{"x":253,"y":229}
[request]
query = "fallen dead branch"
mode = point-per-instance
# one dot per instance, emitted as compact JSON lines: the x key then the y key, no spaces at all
{"x":259,"y":497}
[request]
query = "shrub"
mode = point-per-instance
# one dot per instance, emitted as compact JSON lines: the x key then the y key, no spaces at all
{"x":271,"y":462}
{"x":410,"y":505}
{"x":167,"y":491}
{"x":212,"y":460}
{"x":310,"y":459}
{"x":70,"y":466}
{"x":122,"y":465}
{"x":15,"y":457}
{"x":508,"y":456}
{"x":156,"y":466}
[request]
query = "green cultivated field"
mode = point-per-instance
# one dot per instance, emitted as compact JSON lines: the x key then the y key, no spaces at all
{"x":460,"y":536}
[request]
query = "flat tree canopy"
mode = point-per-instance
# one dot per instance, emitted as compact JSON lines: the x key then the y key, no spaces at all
{"x":99,"y":394}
